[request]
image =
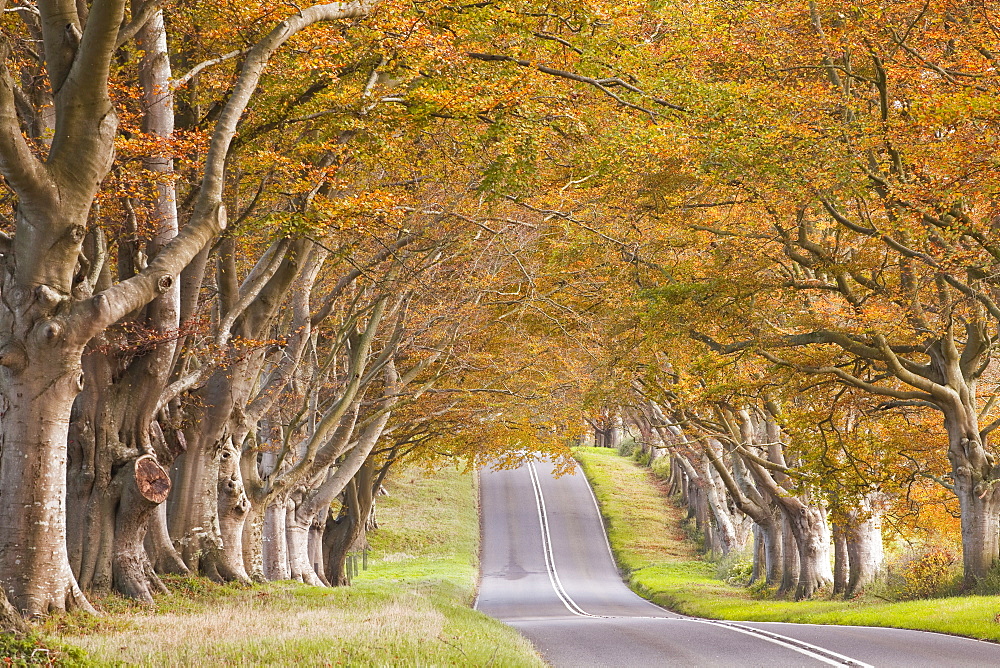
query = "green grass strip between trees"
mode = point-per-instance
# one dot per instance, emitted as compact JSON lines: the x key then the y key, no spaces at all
{"x":645,"y":530}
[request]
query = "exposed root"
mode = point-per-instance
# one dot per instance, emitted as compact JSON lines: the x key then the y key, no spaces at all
{"x":10,"y":620}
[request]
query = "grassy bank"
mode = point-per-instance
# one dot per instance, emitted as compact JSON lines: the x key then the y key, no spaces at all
{"x":409,"y":608}
{"x":644,"y":527}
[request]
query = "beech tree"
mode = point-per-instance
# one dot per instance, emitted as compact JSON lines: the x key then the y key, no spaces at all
{"x":53,"y":301}
{"x":824,"y":201}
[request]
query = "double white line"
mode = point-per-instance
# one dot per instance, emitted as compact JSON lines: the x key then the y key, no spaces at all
{"x":550,"y":564}
{"x":820,"y":654}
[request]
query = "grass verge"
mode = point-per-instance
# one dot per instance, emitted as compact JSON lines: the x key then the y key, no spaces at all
{"x":410,"y":608}
{"x":644,"y":528}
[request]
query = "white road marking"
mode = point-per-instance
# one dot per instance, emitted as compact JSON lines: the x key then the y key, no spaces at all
{"x":550,"y":565}
{"x":829,"y":657}
{"x":812,"y":651}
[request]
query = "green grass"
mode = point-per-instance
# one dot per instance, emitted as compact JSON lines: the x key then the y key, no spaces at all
{"x":644,"y":527}
{"x":409,"y":609}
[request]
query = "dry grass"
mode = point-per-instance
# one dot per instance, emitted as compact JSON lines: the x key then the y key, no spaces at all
{"x":409,"y":609}
{"x":245,"y":632}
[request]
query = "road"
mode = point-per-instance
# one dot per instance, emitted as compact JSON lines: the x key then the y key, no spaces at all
{"x":547,"y":570}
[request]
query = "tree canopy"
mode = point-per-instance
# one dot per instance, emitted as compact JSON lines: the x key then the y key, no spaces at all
{"x":255,"y":254}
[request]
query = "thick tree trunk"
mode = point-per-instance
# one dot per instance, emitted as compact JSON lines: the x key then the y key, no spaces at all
{"x":813,"y":538}
{"x":770,"y":532}
{"x":253,"y":543}
{"x":978,"y":496}
{"x":757,"y":553}
{"x":865,"y":552}
{"x":275,"y":544}
{"x":790,"y":560}
{"x":316,"y":556}
{"x":675,"y":483}
{"x":233,"y":509}
{"x":145,"y":485}
{"x":974,"y":469}
{"x":840,"y":559}
{"x":297,"y":536}
{"x":36,"y":401}
{"x":980,"y":513}
{"x":193,"y":510}
{"x":346,"y":532}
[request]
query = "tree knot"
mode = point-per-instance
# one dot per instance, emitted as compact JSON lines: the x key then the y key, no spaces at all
{"x":77,"y":233}
{"x":48,"y":297}
{"x":14,"y":357}
{"x":51,"y":331}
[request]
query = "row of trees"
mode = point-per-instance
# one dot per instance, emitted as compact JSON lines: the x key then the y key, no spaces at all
{"x":249,"y":269}
{"x":258,"y":254}
{"x":812,"y":293}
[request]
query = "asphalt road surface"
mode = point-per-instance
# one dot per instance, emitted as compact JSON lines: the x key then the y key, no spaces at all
{"x":547,"y":570}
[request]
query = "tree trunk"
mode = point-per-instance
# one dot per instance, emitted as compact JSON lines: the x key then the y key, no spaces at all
{"x":345,"y":532}
{"x":770,"y":532}
{"x":36,"y":401}
{"x":813,"y":538}
{"x":865,"y":551}
{"x":253,"y":543}
{"x":297,"y":535}
{"x":758,"y":555}
{"x":316,"y":556}
{"x":729,"y":528}
{"x":161,"y":550}
{"x":145,"y":485}
{"x":275,"y":544}
{"x":978,"y":495}
{"x":840,"y":559}
{"x":790,"y":560}
{"x":233,"y":509}
{"x":10,"y":620}
{"x":193,"y":509}
{"x":980,"y":514}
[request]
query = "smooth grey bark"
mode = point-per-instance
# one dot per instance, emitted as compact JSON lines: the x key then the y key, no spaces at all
{"x":298,"y":520}
{"x":790,"y":568}
{"x":275,"y":548}
{"x":48,"y":313}
{"x":345,"y":532}
{"x":10,"y":620}
{"x":865,"y":550}
{"x":840,"y":559}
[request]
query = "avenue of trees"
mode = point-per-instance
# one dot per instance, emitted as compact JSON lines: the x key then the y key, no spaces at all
{"x":253,"y":255}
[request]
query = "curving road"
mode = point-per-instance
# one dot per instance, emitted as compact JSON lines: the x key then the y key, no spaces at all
{"x":547,"y":570}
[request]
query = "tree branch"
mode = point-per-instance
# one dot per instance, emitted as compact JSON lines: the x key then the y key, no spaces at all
{"x":600,"y":84}
{"x":209,"y":216}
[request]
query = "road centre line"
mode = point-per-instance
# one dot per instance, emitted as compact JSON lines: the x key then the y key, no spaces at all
{"x":819,"y":653}
{"x":550,"y":565}
{"x":813,"y":651}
